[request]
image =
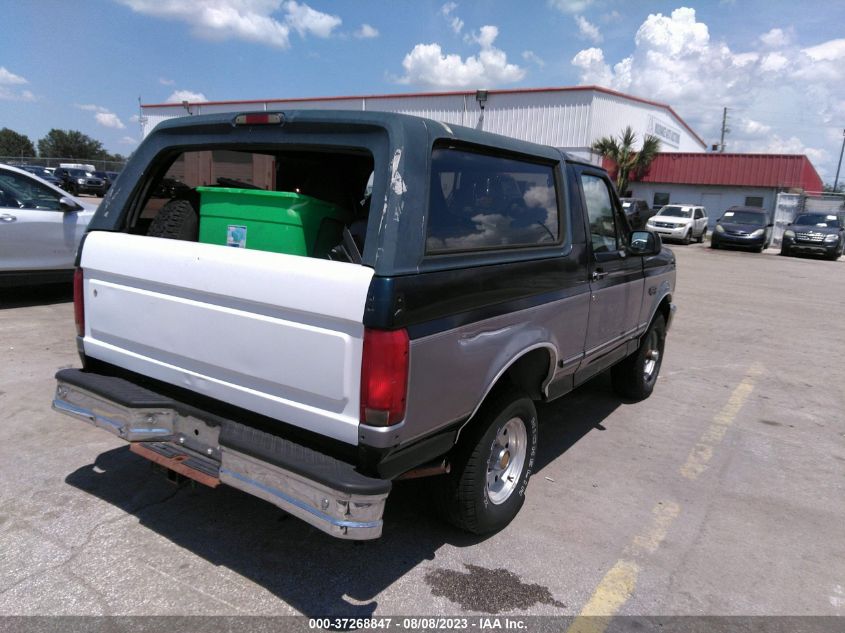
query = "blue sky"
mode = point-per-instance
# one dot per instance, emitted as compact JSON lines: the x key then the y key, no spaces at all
{"x":778,"y":66}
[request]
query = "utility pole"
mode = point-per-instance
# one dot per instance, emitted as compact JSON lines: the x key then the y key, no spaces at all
{"x":724,"y":129}
{"x":836,"y":180}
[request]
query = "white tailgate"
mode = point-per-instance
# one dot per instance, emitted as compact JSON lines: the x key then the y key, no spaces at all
{"x":280,"y":335}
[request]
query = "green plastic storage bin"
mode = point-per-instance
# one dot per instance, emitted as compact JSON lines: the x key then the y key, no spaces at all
{"x":276,"y":221}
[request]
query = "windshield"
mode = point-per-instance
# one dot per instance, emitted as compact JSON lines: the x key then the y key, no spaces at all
{"x":675,"y":212}
{"x":813,"y":219}
{"x":743,"y":217}
{"x":77,"y":173}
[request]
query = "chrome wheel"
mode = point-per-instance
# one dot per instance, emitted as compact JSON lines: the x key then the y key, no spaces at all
{"x":507,"y":458}
{"x":652,"y":355}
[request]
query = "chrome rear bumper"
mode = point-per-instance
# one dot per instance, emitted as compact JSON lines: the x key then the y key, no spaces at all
{"x":340,"y":513}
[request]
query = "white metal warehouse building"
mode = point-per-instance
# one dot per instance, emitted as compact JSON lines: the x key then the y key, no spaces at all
{"x":569,"y":118}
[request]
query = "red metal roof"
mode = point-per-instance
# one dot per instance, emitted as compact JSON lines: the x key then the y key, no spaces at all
{"x":503,"y":91}
{"x":782,"y":171}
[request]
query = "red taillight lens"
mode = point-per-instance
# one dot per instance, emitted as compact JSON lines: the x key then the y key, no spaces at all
{"x":384,"y":377}
{"x":262,"y":118}
{"x":78,"y":303}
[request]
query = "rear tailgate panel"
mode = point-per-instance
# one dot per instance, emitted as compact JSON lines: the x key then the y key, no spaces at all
{"x":277,"y":334}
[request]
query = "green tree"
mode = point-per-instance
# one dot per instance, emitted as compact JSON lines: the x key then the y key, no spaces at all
{"x":628,"y":160}
{"x":71,"y":144}
{"x":14,"y":144}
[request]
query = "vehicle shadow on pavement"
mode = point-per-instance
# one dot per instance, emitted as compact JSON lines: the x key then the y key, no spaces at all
{"x":314,"y":573}
{"x":26,"y":296}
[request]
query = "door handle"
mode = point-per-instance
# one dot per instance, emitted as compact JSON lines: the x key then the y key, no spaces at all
{"x":5,"y":217}
{"x":598,"y":274}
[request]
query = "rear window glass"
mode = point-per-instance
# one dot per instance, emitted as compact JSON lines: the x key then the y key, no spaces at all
{"x":479,"y":202}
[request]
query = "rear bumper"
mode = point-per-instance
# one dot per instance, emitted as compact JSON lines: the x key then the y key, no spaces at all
{"x":317,"y":488}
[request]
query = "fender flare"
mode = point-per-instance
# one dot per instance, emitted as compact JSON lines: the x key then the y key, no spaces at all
{"x":549,"y":375}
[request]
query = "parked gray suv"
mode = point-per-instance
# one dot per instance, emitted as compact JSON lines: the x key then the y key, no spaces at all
{"x":481,"y":275}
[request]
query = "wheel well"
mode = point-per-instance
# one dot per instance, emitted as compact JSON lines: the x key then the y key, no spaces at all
{"x":529,"y":372}
{"x":665,"y":308}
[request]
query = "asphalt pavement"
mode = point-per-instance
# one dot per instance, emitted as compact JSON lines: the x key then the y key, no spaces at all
{"x":722,"y":494}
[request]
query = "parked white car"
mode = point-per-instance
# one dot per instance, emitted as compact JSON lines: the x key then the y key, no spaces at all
{"x":683,"y":222}
{"x":40,"y":229}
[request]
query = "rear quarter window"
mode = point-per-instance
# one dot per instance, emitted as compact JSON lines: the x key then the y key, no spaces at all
{"x":481,"y":202}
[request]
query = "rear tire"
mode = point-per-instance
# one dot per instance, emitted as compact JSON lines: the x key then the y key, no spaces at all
{"x":492,"y":465}
{"x":177,"y":220}
{"x":636,"y":376}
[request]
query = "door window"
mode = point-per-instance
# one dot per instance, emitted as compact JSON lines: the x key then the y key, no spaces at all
{"x":21,"y":192}
{"x":698,"y":214}
{"x":604,"y":233}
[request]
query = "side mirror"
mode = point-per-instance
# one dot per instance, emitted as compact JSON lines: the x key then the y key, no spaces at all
{"x":67,"y":204}
{"x":645,"y":243}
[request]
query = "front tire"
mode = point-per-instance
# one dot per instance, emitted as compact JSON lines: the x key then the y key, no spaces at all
{"x":702,"y":236}
{"x":687,"y":238}
{"x":635,"y":377}
{"x":492,"y":465}
{"x":784,"y":250}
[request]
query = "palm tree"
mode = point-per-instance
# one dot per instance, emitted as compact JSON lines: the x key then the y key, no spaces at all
{"x":626,"y":158}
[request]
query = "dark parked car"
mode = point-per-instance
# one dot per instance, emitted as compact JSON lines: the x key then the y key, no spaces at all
{"x":637,"y":211}
{"x":744,"y":227}
{"x":108,"y":177}
{"x":77,"y":181}
{"x":41,"y":172}
{"x":815,"y":233}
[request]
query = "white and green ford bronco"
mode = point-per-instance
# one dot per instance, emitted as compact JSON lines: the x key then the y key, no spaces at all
{"x":434,"y":283}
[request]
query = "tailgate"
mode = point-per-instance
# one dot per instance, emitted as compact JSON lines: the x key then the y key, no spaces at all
{"x":277,"y":334}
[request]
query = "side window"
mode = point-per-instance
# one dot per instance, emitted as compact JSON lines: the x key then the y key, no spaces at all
{"x":754,"y":201}
{"x":660,"y":199}
{"x":698,"y":214}
{"x":603,"y":230}
{"x":23,"y":192}
{"x":478,"y":202}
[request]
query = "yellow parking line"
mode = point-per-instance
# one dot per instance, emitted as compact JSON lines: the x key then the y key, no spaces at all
{"x":702,"y":452}
{"x":618,"y":584}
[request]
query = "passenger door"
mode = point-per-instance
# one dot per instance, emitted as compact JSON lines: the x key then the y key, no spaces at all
{"x":35,"y":232}
{"x":616,"y":278}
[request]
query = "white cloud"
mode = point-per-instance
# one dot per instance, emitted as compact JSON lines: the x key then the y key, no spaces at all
{"x":587,"y":29}
{"x":570,"y":6}
{"x":613,"y":16}
{"x":178,"y":96}
{"x":9,"y":78}
{"x":128,"y":140}
{"x":109,"y":119}
{"x":775,"y":38}
{"x":90,"y":107}
{"x":103,"y":116}
{"x":782,"y":96}
{"x":366,"y":32}
{"x":248,"y":20}
{"x":134,"y":118}
{"x":455,"y":23}
{"x":531,"y":56}
{"x":307,"y":21}
{"x":427,"y":65}
{"x":166,"y":82}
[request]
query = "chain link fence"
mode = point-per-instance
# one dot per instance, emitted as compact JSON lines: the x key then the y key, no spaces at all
{"x":99,"y":165}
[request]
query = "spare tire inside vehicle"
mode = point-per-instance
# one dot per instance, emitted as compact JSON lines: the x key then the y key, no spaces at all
{"x":177,"y":220}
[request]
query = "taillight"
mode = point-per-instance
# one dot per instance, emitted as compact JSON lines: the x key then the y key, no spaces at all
{"x":384,"y":377}
{"x":78,"y":303}
{"x":260,"y":118}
